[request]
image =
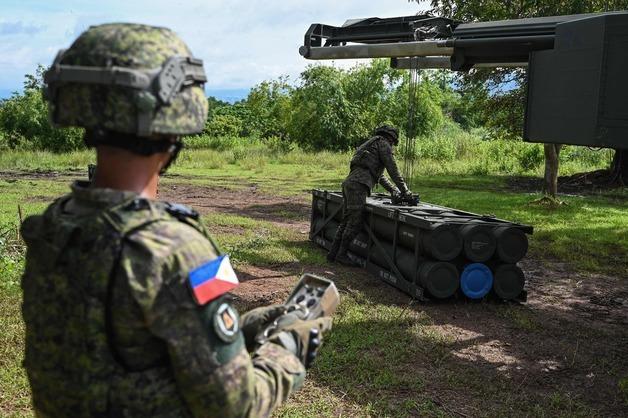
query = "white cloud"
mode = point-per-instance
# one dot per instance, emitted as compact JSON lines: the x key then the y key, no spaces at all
{"x":241,"y":42}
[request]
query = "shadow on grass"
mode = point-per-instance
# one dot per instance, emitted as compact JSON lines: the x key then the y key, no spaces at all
{"x":284,"y":256}
{"x":464,"y":358}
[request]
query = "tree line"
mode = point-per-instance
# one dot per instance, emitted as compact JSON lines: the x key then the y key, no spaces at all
{"x":325,"y":108}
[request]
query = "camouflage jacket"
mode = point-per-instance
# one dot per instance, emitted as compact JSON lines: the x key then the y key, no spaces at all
{"x":368,"y":164}
{"x":113,"y":329}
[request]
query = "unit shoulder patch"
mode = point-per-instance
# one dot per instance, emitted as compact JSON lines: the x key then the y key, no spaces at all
{"x":226,"y":323}
{"x":212,"y":279}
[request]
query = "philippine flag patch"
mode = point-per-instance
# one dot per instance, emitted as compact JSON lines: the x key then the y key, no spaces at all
{"x":212,"y":279}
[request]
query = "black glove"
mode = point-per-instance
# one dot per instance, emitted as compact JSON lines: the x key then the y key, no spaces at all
{"x":302,"y":338}
{"x":255,"y":320}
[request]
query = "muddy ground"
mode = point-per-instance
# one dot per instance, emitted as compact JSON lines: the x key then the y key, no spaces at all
{"x":571,"y":337}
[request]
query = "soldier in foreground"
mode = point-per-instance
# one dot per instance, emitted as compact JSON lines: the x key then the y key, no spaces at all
{"x":125,"y":299}
{"x":366,"y":171}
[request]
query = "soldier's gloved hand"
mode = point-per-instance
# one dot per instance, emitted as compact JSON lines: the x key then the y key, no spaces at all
{"x":255,"y":320}
{"x":302,"y":338}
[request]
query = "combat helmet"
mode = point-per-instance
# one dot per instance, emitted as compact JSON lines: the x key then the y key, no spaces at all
{"x":140,"y":82}
{"x":388,"y":131}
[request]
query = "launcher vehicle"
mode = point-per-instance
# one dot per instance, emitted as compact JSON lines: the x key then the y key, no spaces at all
{"x":577,"y":64}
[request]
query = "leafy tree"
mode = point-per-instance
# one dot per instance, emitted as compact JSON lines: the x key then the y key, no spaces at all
{"x":213,"y":104}
{"x":269,"y":107}
{"x":24,"y":121}
{"x":337,"y":109}
{"x":321,"y":115}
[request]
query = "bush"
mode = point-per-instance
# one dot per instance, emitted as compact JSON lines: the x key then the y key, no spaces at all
{"x":24,"y":122}
{"x":224,"y":126}
{"x":437,"y":148}
{"x":531,"y":157}
{"x":218,"y":143}
{"x":280,"y":145}
{"x":12,"y":251}
{"x":337,"y":109}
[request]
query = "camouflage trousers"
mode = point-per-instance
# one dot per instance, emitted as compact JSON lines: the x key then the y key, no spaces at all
{"x":354,"y":202}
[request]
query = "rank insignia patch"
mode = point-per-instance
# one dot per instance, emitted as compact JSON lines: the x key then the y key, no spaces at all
{"x":212,"y":280}
{"x":226,"y":323}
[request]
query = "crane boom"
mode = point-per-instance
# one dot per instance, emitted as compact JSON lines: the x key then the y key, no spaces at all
{"x":577,"y":87}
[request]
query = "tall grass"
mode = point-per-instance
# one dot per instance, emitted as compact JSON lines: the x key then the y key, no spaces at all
{"x":455,"y":151}
{"x":12,"y":252}
{"x":451,"y":150}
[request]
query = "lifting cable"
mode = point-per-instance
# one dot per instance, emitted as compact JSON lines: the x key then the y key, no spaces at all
{"x":410,"y":145}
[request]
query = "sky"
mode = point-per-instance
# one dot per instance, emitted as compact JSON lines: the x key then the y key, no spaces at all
{"x":241,"y":42}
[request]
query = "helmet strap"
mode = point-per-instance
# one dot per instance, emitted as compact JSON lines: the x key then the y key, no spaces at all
{"x":175,"y":149}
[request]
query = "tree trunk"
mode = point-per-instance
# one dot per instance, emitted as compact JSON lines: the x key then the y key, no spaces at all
{"x":550,"y":184}
{"x":619,"y":168}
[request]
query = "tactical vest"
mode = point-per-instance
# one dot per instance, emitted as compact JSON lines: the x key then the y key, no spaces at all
{"x":71,"y":364}
{"x":367,"y":156}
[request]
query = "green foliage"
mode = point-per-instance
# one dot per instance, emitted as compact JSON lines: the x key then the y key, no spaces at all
{"x":12,"y":252}
{"x":269,"y":104}
{"x":224,"y":125}
{"x":213,"y":104}
{"x":329,"y":108}
{"x":531,"y":157}
{"x":622,"y":386}
{"x":322,"y":117}
{"x":24,"y":122}
{"x":336,"y":109}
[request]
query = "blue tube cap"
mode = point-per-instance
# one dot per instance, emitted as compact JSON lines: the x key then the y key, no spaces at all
{"x":476,"y":280}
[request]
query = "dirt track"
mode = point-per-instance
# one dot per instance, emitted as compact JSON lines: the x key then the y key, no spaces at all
{"x":571,"y":335}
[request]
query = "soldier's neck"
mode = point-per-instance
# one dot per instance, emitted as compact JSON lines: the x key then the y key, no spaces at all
{"x":119,"y":169}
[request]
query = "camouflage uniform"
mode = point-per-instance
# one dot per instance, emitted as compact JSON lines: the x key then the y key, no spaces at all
{"x":367,"y":169}
{"x":113,"y":326}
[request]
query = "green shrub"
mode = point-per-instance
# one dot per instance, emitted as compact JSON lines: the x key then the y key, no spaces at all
{"x":531,"y":157}
{"x":12,"y":251}
{"x":437,"y":148}
{"x":280,"y":145}
{"x":224,"y":125}
{"x":24,"y":122}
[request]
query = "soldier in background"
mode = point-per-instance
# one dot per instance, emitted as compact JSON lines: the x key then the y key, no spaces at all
{"x":366,"y":170}
{"x":125,"y":301}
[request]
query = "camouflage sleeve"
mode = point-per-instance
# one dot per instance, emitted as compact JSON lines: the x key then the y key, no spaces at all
{"x":387,"y":158}
{"x":214,"y":372}
{"x":386,"y":184}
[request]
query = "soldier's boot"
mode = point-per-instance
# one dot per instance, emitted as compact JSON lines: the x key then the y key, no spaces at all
{"x":342,"y":256}
{"x":344,"y":259}
{"x":335,"y":245}
{"x":333,"y":252}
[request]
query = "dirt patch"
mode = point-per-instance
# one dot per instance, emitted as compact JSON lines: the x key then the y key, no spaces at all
{"x":42,"y":175}
{"x":580,"y":184}
{"x":250,"y":201}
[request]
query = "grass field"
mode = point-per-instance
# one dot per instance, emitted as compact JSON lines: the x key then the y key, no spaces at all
{"x":387,"y":356}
